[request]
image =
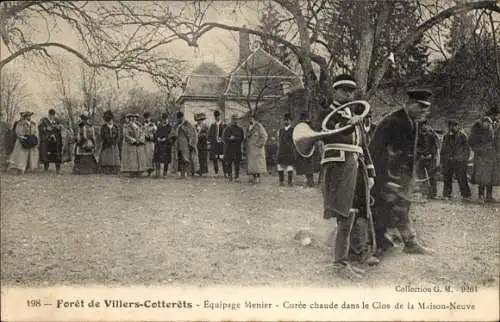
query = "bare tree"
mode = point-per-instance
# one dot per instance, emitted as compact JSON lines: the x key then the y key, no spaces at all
{"x":13,"y":95}
{"x":108,"y":39}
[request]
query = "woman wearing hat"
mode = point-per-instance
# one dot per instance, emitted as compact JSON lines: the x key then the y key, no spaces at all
{"x":133,"y":152}
{"x":256,"y":153}
{"x":25,"y":154}
{"x":202,"y":145}
{"x":150,"y":129}
{"x":109,"y":158}
{"x":85,"y":161}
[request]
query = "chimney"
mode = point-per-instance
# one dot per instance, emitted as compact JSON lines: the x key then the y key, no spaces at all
{"x":244,"y":45}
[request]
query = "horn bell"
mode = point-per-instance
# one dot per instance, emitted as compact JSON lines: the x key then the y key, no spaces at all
{"x":303,"y":139}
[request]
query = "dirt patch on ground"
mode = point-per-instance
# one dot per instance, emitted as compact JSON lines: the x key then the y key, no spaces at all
{"x":115,"y":230}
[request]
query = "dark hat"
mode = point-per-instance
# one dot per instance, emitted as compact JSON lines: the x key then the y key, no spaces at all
{"x":179,"y":115}
{"x":344,"y":80}
{"x":131,"y":115}
{"x":52,"y":112}
{"x":26,"y":113}
{"x":493,"y":110}
{"x":287,"y":116}
{"x":420,"y":95}
{"x":200,"y":117}
{"x":216,"y":113}
{"x":108,"y":115}
{"x":85,"y":115}
{"x":146,"y":115}
{"x":452,"y":122}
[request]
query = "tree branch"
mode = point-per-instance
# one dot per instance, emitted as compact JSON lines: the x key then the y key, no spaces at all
{"x":491,"y":5}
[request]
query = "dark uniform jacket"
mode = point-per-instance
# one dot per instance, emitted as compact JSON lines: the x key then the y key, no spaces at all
{"x":215,"y":140}
{"x":391,"y":148}
{"x":50,"y":140}
{"x":232,"y":147}
{"x":455,"y":147}
{"x":341,"y":167}
{"x":286,"y":148}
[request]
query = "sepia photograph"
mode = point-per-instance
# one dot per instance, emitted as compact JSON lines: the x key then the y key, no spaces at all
{"x":238,"y":160}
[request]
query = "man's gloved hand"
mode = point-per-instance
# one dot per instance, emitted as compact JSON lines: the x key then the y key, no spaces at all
{"x":371,"y":182}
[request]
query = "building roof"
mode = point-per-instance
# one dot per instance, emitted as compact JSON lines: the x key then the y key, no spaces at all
{"x":209,"y":81}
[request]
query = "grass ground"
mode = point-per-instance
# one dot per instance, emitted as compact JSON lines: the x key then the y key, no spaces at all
{"x":113,"y":230}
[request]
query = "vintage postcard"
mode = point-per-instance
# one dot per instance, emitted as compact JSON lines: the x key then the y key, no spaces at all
{"x":280,"y":160}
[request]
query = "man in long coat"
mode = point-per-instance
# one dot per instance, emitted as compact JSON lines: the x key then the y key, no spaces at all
{"x":483,"y":140}
{"x":163,"y":146}
{"x":392,"y":147}
{"x":455,"y":154}
{"x":256,"y":139}
{"x":25,"y":155}
{"x":184,"y":147}
{"x":286,"y":151}
{"x":51,"y":141}
{"x":216,"y":144}
{"x":233,"y":137}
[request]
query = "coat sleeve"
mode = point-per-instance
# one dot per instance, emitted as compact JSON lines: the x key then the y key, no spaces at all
{"x":126,"y":135}
{"x":262,"y":136}
{"x":464,"y":149}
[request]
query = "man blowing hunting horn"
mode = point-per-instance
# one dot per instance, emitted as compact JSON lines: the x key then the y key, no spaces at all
{"x":347,"y":172}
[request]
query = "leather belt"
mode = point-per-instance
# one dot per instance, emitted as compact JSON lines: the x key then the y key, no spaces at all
{"x":339,"y":150}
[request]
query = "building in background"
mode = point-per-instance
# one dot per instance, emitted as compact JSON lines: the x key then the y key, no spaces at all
{"x":258,"y":80}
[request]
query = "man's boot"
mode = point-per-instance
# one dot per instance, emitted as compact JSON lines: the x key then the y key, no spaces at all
{"x":290,"y":178}
{"x":489,"y":195}
{"x":281,"y":176}
{"x":481,"y":191}
{"x":368,"y":259}
{"x":347,"y":271}
{"x":310,"y":180}
{"x":414,"y":247}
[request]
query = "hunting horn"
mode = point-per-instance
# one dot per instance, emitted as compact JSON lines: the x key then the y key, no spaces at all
{"x":304,"y":137}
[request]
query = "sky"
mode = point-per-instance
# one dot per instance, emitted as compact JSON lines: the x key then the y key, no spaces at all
{"x":218,"y":46}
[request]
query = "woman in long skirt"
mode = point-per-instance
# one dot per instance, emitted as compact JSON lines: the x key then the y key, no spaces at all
{"x":202,"y":145}
{"x":85,"y":161}
{"x":133,"y":153}
{"x":109,"y":158}
{"x":149,"y":145}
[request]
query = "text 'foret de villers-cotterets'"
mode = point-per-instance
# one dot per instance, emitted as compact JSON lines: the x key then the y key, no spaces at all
{"x":148,"y":304}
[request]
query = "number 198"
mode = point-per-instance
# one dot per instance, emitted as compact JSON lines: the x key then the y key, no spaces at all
{"x":34,"y":303}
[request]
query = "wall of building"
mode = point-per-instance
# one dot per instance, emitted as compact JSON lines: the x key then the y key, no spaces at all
{"x":192,"y":107}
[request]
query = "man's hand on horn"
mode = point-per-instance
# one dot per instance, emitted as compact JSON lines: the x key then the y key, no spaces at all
{"x":355,"y":120}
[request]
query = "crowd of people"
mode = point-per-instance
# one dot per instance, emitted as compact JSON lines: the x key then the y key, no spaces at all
{"x":139,"y":148}
{"x":366,"y":174}
{"x":368,"y":177}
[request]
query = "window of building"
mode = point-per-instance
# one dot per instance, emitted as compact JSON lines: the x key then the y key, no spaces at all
{"x":245,"y":88}
{"x":285,"y":87}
